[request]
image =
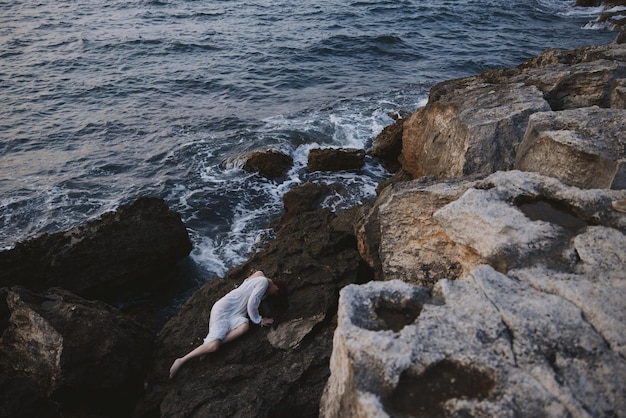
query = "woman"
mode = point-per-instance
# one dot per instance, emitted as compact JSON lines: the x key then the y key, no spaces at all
{"x":228,"y":316}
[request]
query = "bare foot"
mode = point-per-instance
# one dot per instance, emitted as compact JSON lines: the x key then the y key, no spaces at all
{"x":175,"y":366}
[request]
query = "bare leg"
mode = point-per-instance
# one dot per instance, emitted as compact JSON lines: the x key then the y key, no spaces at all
{"x":207,"y":348}
{"x":237,"y":332}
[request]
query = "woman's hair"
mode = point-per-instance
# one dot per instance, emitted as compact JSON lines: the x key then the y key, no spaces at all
{"x":280,"y":301}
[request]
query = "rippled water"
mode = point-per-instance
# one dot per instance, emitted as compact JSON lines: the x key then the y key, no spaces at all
{"x":103,"y":102}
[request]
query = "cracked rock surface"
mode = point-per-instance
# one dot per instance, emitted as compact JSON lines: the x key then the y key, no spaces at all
{"x":533,"y":326}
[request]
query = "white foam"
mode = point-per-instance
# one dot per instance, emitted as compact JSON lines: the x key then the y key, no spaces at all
{"x":207,"y":253}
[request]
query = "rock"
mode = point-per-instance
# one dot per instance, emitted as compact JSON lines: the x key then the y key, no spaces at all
{"x":577,"y":78}
{"x":612,"y":19}
{"x":516,"y":219}
{"x":599,"y":287}
{"x":388,"y":145}
{"x":468,"y":126}
{"x":280,"y":372}
{"x":270,"y":164}
{"x":533,"y":329}
{"x":399,"y":238}
{"x":125,"y":249}
{"x":289,"y":335}
{"x":485,"y":345}
{"x":305,"y":197}
{"x":83,"y":354}
{"x":473,"y":126}
{"x":596,"y":3}
{"x":333,"y":159}
{"x":21,"y":397}
{"x":581,"y":147}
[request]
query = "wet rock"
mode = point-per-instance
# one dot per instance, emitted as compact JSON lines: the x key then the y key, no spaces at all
{"x":581,"y":147}
{"x":270,"y":164}
{"x":265,"y":373}
{"x":131,"y":247}
{"x":22,"y":397}
{"x":387,"y":146}
{"x":84,"y":355}
{"x":335,"y":159}
{"x":288,"y":335}
{"x":305,"y":197}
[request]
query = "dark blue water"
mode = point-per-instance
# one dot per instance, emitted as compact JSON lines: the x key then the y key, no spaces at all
{"x":102,"y":102}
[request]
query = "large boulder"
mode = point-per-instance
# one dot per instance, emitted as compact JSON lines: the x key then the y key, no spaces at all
{"x":468,"y":126}
{"x":121,"y":250}
{"x":266,"y":373}
{"x":83,"y":355}
{"x":581,"y":147}
{"x":474,"y":125}
{"x":581,"y":77}
{"x":536,"y":329}
{"x":399,"y":239}
{"x":22,"y":397}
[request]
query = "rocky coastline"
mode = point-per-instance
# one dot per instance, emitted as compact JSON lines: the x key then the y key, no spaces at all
{"x":486,"y":279}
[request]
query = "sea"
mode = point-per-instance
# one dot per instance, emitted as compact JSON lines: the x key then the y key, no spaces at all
{"x":102,"y":102}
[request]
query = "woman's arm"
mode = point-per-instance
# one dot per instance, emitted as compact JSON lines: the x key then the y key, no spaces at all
{"x":254,"y":301}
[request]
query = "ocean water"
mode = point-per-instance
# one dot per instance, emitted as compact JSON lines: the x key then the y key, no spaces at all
{"x":104,"y":102}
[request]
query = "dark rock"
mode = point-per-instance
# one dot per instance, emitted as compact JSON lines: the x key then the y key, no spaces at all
{"x":4,"y":310}
{"x":333,"y":159}
{"x":388,"y":145}
{"x":250,"y":376}
{"x":588,"y":3}
{"x":124,"y":249}
{"x":21,"y":397}
{"x":305,"y":197}
{"x":270,"y":164}
{"x":84,"y":355}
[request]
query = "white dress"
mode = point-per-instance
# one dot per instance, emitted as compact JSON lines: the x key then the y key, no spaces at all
{"x":230,"y":311}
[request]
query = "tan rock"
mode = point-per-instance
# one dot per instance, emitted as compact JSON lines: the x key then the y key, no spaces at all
{"x":543,"y":336}
{"x":288,"y":335}
{"x":401,"y":240}
{"x":468,"y":126}
{"x":581,"y":147}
